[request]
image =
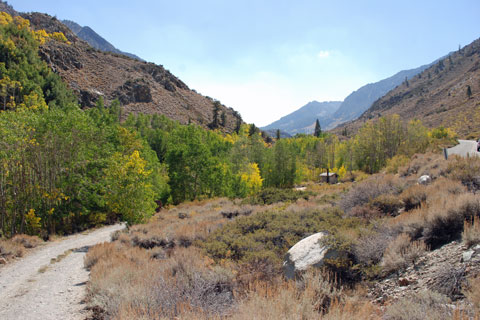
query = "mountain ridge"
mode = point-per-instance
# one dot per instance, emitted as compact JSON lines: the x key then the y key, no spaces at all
{"x":94,"y":39}
{"x":303,"y":119}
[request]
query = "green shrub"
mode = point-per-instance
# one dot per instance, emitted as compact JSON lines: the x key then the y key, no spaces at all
{"x":273,"y":195}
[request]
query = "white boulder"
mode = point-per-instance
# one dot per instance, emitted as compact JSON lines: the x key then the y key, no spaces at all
{"x":306,"y":253}
{"x":425,"y":179}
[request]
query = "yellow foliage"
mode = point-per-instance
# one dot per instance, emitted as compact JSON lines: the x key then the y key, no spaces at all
{"x":5,"y":18}
{"x":59,"y":36}
{"x":32,"y":220}
{"x":252,"y":178}
{"x":21,"y":23}
{"x":41,"y":36}
{"x":342,"y":171}
{"x":33,"y":102}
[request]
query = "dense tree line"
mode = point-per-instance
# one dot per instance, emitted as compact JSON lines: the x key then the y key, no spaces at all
{"x":63,"y":169}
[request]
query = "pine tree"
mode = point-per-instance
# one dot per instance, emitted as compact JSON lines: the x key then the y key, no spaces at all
{"x":215,"y":121}
{"x":318,"y":130}
{"x":469,"y":92}
{"x":223,"y":119}
{"x":278,"y":134}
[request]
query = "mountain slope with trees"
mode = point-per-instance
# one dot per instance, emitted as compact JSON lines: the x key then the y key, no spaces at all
{"x":139,"y":86}
{"x":445,"y":94}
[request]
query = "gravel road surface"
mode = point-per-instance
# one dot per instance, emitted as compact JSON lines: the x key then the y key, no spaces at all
{"x":464,"y":148}
{"x":37,"y":287}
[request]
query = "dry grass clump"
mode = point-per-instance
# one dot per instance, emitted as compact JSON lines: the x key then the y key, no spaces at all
{"x":368,"y":190}
{"x":429,"y":164}
{"x":315,"y":296}
{"x":472,"y":292}
{"x":10,"y":249}
{"x":466,"y":170}
{"x":414,"y":196}
{"x":424,"y":305}
{"x":387,"y":204}
{"x":126,"y":282}
{"x":27,"y":241}
{"x":471,"y":231}
{"x":401,"y":252}
{"x":449,"y":281}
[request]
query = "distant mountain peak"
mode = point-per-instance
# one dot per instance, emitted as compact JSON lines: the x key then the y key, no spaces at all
{"x":303,"y":119}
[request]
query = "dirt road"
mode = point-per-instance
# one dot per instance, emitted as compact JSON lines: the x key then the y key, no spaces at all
{"x":464,"y":148}
{"x":37,"y":287}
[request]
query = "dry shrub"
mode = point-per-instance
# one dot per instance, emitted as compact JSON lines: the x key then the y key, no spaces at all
{"x":365,"y":212}
{"x":352,"y":309}
{"x":369,"y":248}
{"x":401,"y":252}
{"x":449,"y":281}
{"x":466,"y":170}
{"x":98,"y":252}
{"x":367,"y":190}
{"x":429,"y":164}
{"x":27,"y":241}
{"x":424,"y":305}
{"x":307,"y":299}
{"x":471,"y":231}
{"x":387,"y":204}
{"x":472,"y":292}
{"x":413,"y":197}
{"x":445,"y":218}
{"x":128,"y":282}
{"x":10,"y":249}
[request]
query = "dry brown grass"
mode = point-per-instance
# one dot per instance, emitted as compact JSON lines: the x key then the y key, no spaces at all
{"x":472,"y":293}
{"x":471,"y":231}
{"x":125,"y":281}
{"x":401,"y":252}
{"x":424,"y":305}
{"x":27,"y":241}
{"x":10,"y":249}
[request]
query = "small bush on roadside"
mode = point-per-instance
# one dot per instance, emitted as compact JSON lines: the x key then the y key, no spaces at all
{"x":365,"y":212}
{"x":10,"y":249}
{"x":27,"y":241}
{"x":424,"y":305}
{"x":466,"y":170}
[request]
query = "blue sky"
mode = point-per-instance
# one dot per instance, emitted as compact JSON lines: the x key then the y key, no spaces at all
{"x":267,"y":58}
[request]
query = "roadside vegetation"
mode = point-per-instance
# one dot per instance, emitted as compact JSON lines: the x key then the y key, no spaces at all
{"x":227,"y":211}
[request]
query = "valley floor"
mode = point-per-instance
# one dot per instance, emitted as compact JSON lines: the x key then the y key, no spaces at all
{"x":50,"y":282}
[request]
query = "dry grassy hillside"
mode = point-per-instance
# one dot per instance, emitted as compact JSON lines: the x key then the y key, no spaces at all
{"x":438,"y":96}
{"x":141,"y":87}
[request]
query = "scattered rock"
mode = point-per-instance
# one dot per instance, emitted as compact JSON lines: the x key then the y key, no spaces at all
{"x":425,"y":179}
{"x":306,"y":253}
{"x":467,"y":255}
{"x":3,"y":261}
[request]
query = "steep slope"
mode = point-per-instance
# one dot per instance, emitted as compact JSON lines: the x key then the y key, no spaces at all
{"x":94,"y":39}
{"x":359,"y":101}
{"x":139,"y":86}
{"x":437,"y":96}
{"x":303,"y":119}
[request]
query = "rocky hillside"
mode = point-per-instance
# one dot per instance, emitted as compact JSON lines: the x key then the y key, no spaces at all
{"x":303,"y":119}
{"x":360,"y":100}
{"x":94,"y":39}
{"x":139,"y":86}
{"x":445,"y":94}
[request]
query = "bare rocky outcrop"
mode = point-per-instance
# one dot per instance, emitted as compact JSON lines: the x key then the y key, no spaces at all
{"x":140,"y":87}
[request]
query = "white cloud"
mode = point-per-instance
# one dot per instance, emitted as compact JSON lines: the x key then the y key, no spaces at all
{"x":323,"y":54}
